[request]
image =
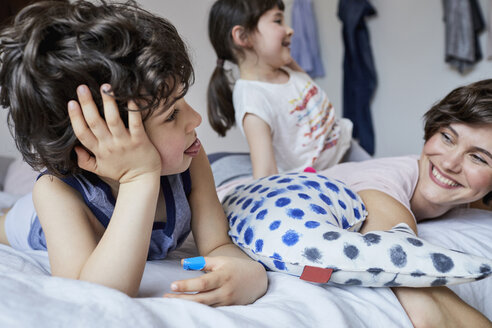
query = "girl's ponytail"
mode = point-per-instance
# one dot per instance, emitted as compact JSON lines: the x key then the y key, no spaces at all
{"x":219,"y":100}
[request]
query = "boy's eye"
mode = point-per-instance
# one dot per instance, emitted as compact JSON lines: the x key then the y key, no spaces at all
{"x":173,"y":115}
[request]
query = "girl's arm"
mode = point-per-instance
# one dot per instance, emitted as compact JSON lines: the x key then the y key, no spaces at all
{"x":232,"y":278}
{"x":78,"y":245}
{"x":259,"y":138}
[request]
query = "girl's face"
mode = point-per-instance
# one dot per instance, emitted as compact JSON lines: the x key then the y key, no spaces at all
{"x":271,"y":40}
{"x":172,"y":132}
{"x":456,"y":165}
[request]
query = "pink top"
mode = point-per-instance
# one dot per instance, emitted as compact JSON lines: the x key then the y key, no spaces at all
{"x":395,"y":176}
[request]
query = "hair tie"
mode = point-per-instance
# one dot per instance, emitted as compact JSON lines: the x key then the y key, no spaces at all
{"x":220,"y":62}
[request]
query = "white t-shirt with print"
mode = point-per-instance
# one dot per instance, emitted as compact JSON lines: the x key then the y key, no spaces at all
{"x":305,"y":129}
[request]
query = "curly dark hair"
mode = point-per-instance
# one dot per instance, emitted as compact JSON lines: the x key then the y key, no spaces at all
{"x":469,"y":104}
{"x":52,"y":47}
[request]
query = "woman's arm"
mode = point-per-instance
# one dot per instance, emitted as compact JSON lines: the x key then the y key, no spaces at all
{"x":259,"y":138}
{"x":384,"y":212}
{"x":233,"y":277}
{"x":426,"y":307}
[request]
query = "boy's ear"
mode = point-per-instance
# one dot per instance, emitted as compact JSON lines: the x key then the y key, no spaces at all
{"x":240,"y":37}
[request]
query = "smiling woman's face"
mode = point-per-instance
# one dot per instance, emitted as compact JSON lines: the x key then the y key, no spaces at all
{"x":456,"y":165}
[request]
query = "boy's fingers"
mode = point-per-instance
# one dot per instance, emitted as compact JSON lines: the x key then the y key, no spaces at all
{"x":111,"y":112}
{"x":135,"y":124}
{"x":79,"y":125}
{"x":211,"y":298}
{"x":91,"y":114}
{"x":203,"y":283}
{"x":84,"y":160}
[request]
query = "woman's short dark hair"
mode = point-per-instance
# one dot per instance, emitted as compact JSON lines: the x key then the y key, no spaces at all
{"x":470,"y":104}
{"x":52,"y":47}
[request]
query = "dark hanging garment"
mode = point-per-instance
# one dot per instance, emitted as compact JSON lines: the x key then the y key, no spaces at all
{"x":359,"y":73}
{"x":463,"y":24}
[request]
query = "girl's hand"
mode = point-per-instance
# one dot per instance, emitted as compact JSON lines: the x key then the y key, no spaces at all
{"x":116,"y":152}
{"x":229,"y":281}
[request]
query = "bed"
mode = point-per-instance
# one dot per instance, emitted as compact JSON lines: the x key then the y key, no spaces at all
{"x":31,"y":297}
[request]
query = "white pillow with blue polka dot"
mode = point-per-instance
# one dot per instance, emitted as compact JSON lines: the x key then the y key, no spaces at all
{"x":305,"y":224}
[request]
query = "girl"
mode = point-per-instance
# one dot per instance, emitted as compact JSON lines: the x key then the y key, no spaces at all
{"x":120,"y":186}
{"x":287,"y":119}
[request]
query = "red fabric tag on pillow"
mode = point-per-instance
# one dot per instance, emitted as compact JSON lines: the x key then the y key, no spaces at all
{"x":315,"y":274}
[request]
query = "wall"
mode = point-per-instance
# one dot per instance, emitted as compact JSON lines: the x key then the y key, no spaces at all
{"x":408,"y":44}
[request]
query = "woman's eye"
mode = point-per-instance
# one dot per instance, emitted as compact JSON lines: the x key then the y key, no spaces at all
{"x":278,"y":21}
{"x":173,"y":115}
{"x":478,"y":159}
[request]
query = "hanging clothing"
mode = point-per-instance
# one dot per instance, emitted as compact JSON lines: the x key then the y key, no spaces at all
{"x":304,"y":43}
{"x":463,"y":23}
{"x":489,"y":33}
{"x":359,"y":73}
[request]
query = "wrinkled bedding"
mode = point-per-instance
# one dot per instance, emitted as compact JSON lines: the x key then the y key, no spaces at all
{"x":30,"y":297}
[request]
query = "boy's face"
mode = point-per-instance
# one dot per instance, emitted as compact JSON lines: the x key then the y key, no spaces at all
{"x":172,"y":131}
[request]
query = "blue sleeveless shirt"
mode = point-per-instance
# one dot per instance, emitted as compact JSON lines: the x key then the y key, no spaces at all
{"x":166,"y":236}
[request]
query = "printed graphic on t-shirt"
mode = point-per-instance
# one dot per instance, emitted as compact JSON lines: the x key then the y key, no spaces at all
{"x":315,"y":115}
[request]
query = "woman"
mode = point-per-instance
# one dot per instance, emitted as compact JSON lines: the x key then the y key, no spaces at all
{"x":454,"y":169}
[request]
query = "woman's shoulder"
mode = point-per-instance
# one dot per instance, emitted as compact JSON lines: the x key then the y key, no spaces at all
{"x":390,"y":163}
{"x":387,"y":172}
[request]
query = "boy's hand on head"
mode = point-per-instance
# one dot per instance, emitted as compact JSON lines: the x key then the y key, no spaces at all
{"x":229,"y":281}
{"x":118,"y":153}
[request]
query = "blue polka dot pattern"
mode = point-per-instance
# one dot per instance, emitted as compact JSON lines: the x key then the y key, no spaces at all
{"x":312,"y":224}
{"x":295,"y":213}
{"x":281,"y":202}
{"x":274,"y":225}
{"x":303,"y":196}
{"x":351,"y":251}
{"x":331,"y":235}
{"x":398,"y":256}
{"x":442,"y":262}
{"x":259,"y":245}
{"x":312,"y":254}
{"x":294,"y":187}
{"x":290,"y":238}
{"x":261,"y":214}
{"x":288,"y":221}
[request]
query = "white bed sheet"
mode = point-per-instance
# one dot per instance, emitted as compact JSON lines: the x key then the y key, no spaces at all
{"x":30,"y":297}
